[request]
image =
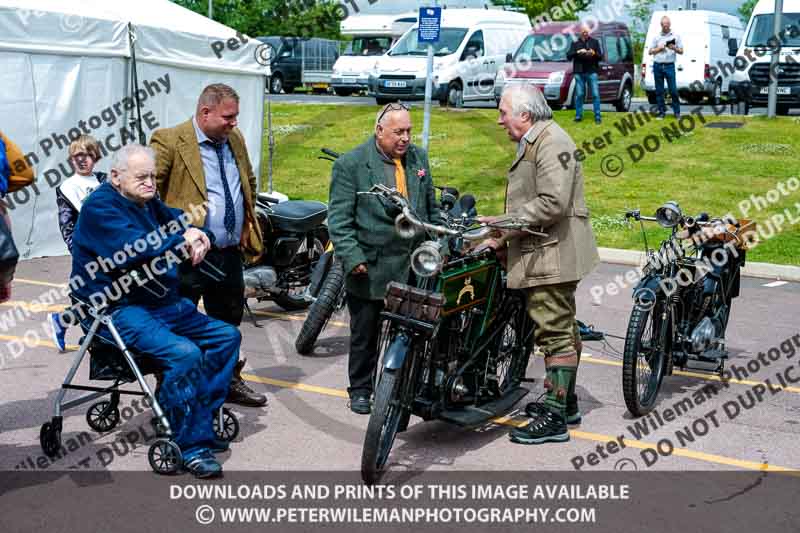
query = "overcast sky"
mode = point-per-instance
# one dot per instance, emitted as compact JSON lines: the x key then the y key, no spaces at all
{"x":400,"y":6}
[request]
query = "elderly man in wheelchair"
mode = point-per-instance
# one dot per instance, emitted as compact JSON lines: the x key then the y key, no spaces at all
{"x":127,"y":248}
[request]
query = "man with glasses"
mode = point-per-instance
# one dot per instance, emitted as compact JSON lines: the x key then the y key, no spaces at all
{"x":123,"y":228}
{"x":364,"y":236}
{"x":205,"y":160}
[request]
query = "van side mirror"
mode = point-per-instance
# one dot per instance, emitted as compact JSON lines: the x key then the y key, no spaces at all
{"x":509,"y":57}
{"x":733,"y":47}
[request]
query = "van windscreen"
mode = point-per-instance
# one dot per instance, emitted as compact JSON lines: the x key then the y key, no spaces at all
{"x":449,"y":41}
{"x":762,"y":31}
{"x":544,"y":48}
{"x":368,"y":46}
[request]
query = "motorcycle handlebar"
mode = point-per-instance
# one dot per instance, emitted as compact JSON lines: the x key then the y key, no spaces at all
{"x":331,"y":153}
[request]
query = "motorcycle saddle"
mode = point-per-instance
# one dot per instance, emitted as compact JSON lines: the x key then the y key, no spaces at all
{"x":297,"y":216}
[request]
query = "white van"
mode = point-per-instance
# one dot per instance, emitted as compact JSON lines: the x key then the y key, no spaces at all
{"x":373,"y":35}
{"x":699,"y":71}
{"x":750,"y":85}
{"x":472,"y":47}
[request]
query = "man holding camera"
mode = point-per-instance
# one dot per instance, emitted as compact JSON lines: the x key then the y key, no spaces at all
{"x":663,"y":49}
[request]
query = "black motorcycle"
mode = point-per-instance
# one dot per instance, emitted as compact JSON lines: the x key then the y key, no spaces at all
{"x":454,"y":346}
{"x":682,"y":301}
{"x":295,"y":237}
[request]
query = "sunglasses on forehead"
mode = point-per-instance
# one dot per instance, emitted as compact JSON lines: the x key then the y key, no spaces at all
{"x":394,"y":106}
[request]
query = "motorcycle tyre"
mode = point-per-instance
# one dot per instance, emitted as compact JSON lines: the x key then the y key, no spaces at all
{"x":321,"y":310}
{"x":640,"y":317}
{"x":383,"y":415}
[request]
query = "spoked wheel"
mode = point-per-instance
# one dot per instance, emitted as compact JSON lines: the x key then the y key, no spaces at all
{"x":321,"y":310}
{"x":643,"y":358}
{"x":506,"y":368}
{"x":165,"y":457}
{"x":103,"y":416}
{"x":383,"y":426}
{"x":50,"y":438}
{"x":229,"y":428}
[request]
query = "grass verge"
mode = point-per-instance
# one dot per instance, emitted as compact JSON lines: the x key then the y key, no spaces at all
{"x":704,"y":169}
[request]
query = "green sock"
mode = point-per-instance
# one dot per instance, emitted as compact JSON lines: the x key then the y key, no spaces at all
{"x":560,"y":378}
{"x":572,"y":398}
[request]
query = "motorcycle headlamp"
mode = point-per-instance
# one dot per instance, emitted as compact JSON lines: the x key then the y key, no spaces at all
{"x":669,"y":215}
{"x":427,"y":260}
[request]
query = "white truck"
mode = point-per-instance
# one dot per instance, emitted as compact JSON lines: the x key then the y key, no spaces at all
{"x":472,"y":47}
{"x":372,"y":35}
{"x":750,"y":84}
{"x":699,"y":71}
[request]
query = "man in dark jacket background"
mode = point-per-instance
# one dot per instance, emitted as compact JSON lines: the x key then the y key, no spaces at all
{"x":364,"y":236}
{"x":586,"y":54}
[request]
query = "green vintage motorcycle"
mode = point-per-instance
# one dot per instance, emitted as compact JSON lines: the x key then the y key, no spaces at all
{"x":455,"y":345}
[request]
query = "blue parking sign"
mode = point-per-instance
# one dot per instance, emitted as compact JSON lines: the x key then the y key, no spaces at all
{"x":430,"y":21}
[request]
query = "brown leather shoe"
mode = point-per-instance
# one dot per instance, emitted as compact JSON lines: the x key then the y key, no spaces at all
{"x":240,"y":393}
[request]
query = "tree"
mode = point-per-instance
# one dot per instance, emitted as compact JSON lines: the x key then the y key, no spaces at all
{"x":551,"y":9}
{"x":301,"y":18}
{"x":746,"y":10}
{"x":641,"y":11}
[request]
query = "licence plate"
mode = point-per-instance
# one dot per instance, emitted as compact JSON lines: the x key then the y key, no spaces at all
{"x":348,"y":80}
{"x":781,"y":90}
{"x":394,"y":83}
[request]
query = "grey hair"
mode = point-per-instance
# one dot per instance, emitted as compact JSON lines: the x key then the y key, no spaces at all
{"x":528,"y":97}
{"x":121,"y":157}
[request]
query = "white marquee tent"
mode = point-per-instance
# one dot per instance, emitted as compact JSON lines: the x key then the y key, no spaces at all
{"x":65,"y":67}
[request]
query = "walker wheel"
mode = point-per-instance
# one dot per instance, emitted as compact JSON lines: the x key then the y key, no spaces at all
{"x":102,"y":416}
{"x":165,"y":457}
{"x":50,"y":439}
{"x":230,"y":425}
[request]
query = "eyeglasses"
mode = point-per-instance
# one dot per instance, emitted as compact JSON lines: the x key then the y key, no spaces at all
{"x":394,"y":106}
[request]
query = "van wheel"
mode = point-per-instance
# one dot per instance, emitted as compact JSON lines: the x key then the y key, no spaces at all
{"x":384,"y":101}
{"x":343,"y":92}
{"x":715,"y":98}
{"x":651,"y":97}
{"x":694,"y":98}
{"x":455,"y":95}
{"x":276,"y":84}
{"x":623,"y":105}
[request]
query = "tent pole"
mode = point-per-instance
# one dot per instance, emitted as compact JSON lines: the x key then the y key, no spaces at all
{"x":137,"y":122}
{"x":270,"y":142}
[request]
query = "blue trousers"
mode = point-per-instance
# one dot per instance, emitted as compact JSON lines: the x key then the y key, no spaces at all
{"x":197,"y":355}
{"x":662,"y":71}
{"x":580,"y":92}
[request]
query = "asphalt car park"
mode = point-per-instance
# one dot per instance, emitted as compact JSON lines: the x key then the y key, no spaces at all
{"x":307,"y":425}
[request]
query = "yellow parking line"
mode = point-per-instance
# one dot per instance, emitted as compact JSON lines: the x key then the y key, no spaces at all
{"x":45,"y":344}
{"x":284,"y":316}
{"x":711,"y":377}
{"x":34,"y":307}
{"x":574,"y":433}
{"x":44,"y":283}
{"x":296,"y":386}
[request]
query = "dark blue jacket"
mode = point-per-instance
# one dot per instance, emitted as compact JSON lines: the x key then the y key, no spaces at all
{"x":107,"y":223}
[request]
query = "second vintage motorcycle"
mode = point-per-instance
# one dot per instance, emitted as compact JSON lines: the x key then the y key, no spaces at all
{"x":682,"y":303}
